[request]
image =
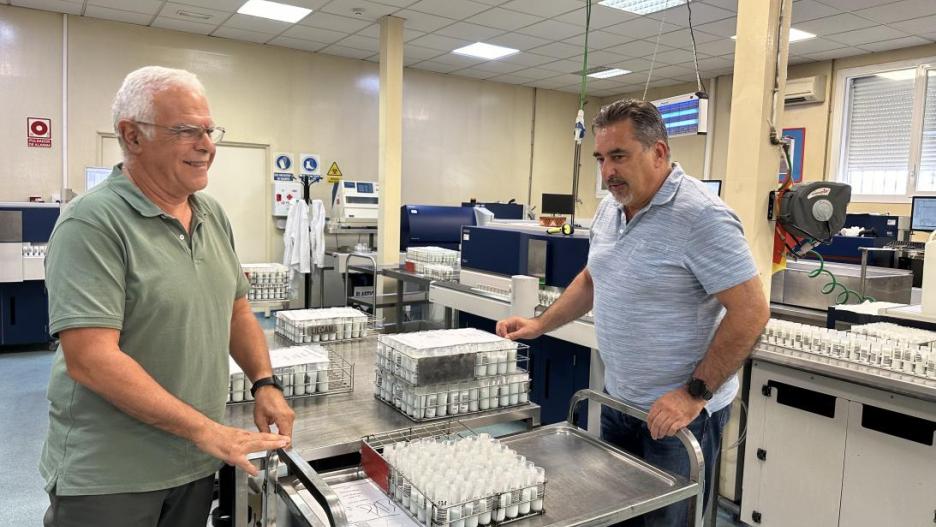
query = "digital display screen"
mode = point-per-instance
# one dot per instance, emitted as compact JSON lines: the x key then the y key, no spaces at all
{"x":681,"y":118}
{"x":923,"y":215}
{"x":365,"y":188}
{"x":713,"y":186}
{"x":558,"y":204}
{"x":349,"y":184}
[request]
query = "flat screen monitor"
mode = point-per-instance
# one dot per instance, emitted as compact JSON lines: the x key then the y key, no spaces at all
{"x":95,"y":176}
{"x":713,"y":185}
{"x":923,"y":214}
{"x":558,"y":204}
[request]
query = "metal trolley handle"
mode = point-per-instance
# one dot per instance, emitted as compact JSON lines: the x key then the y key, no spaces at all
{"x":313,"y":483}
{"x":696,"y":463}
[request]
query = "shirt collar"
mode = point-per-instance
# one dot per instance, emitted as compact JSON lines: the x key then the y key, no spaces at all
{"x":127,"y":189}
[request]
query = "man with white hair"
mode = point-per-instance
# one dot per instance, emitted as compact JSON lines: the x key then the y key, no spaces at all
{"x":148,"y":300}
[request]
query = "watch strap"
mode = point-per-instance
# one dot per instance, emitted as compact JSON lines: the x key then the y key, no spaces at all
{"x":265,"y":381}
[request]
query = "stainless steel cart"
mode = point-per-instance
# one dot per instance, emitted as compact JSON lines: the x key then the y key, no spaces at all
{"x":593,"y":483}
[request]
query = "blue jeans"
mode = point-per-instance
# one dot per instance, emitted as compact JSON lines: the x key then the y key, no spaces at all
{"x":632,"y":435}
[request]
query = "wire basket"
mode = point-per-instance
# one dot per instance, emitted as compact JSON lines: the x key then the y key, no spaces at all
{"x":497,"y":508}
{"x":300,"y":380}
{"x":313,"y":326}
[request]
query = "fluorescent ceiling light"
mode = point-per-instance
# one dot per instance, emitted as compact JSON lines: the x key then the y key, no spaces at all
{"x":274,"y":11}
{"x":607,"y":73}
{"x":642,"y":7}
{"x":796,"y":35}
{"x":899,"y":75}
{"x":485,"y":51}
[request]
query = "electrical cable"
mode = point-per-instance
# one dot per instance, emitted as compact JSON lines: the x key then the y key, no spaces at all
{"x":653,"y":59}
{"x":584,"y":86}
{"x":742,"y":435}
{"x":695,"y":56}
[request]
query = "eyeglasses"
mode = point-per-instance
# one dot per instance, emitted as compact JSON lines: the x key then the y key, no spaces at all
{"x":190,"y":133}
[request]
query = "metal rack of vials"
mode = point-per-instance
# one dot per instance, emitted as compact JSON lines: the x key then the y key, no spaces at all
{"x":548,"y":296}
{"x":463,"y":482}
{"x":435,"y":262}
{"x":891,"y":358}
{"x":443,"y":373}
{"x":323,"y":325}
{"x":34,"y":250}
{"x":889,"y":331}
{"x":303,"y":371}
{"x":269,"y":282}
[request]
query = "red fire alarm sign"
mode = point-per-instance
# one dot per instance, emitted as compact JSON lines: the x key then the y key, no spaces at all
{"x":38,"y":132}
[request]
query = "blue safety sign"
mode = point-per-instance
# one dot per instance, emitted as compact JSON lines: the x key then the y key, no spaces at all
{"x":309,"y":165}
{"x":283,"y":162}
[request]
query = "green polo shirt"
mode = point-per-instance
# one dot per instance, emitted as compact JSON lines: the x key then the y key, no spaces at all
{"x":115,"y":260}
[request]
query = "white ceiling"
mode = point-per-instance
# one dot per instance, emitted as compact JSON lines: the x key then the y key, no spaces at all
{"x":549,"y":33}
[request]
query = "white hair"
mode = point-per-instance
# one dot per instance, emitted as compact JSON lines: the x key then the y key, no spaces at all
{"x":134,"y":99}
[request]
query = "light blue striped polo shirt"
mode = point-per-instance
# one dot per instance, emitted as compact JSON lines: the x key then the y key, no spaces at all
{"x":655,"y":278}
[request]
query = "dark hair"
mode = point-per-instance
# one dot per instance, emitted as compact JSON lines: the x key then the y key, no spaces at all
{"x":644,"y":117}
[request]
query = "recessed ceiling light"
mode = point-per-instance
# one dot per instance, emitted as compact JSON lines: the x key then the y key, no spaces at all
{"x":899,"y":75}
{"x":606,"y":73}
{"x":274,"y":11}
{"x":193,"y":14}
{"x":485,"y":51}
{"x":642,"y":7}
{"x":796,"y":35}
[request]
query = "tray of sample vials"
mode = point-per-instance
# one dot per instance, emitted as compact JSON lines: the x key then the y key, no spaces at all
{"x":304,"y":371}
{"x":304,"y":326}
{"x":444,"y":475}
{"x":892,"y":358}
{"x":269,"y":282}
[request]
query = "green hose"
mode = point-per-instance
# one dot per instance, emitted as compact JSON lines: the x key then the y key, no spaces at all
{"x":829,"y":287}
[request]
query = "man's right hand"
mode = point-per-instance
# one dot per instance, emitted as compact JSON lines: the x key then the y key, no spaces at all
{"x":232,"y":445}
{"x":515,"y":328}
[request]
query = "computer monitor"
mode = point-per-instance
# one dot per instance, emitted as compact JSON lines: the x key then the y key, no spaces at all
{"x":95,"y":175}
{"x":923,"y":214}
{"x":558,"y":204}
{"x":713,"y":185}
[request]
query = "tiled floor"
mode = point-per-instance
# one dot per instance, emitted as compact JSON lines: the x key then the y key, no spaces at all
{"x":23,"y":414}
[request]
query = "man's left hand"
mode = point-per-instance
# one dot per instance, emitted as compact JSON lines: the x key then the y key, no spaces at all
{"x":672,"y":412}
{"x":270,"y":408}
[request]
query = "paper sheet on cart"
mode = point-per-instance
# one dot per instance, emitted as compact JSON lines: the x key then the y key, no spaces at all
{"x":367,"y":506}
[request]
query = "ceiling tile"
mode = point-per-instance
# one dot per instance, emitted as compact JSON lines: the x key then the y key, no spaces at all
{"x":149,"y":7}
{"x":854,"y":5}
{"x":419,"y":53}
{"x":118,"y":15}
{"x":637,"y":64}
{"x":183,"y":25}
{"x":836,"y":54}
{"x":805,"y":10}
{"x":604,"y":58}
{"x":722,"y":46}
{"x":721,"y":28}
{"x":198,"y":15}
{"x":474,"y":73}
{"x":440,"y":42}
{"x":731,"y":5}
{"x":59,"y":6}
{"x":398,"y":3}
{"x":546,"y":84}
{"x":642,"y":27}
{"x":230,"y":6}
{"x":518,"y":41}
{"x":917,"y":26}
{"x":297,"y":43}
{"x":335,"y":22}
{"x":835,"y":24}
{"x":503,"y":19}
{"x":372,"y":10}
{"x":683,"y":40}
{"x":459,"y":61}
{"x":342,"y":51}
{"x":510,"y":79}
{"x":552,"y":30}
{"x":257,"y":24}
{"x":713,"y":63}
{"x":898,"y":43}
{"x":536,"y":73}
{"x":675,"y":56}
{"x":637,"y":48}
{"x":701,"y":14}
{"x":360,"y":42}
{"x":435,"y":66}
{"x":373,"y":31}
{"x":543,"y":8}
{"x":563,"y":66}
{"x":597,"y":40}
{"x":557,"y":81}
{"x":422,"y":21}
{"x":602,"y":16}
{"x":814,"y":45}
{"x":499,"y":67}
{"x":867,"y":35}
{"x":449,"y":8}
{"x":557,"y":50}
{"x":528,"y":59}
{"x":668,"y":71}
{"x":467,"y":31}
{"x":326,"y":36}
{"x":898,"y":11}
{"x":242,"y":34}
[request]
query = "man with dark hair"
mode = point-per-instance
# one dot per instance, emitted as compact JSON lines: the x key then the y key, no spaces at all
{"x":677,"y":300}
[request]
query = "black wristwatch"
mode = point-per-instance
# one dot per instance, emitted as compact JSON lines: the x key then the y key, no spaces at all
{"x":266,"y":381}
{"x":698,"y":389}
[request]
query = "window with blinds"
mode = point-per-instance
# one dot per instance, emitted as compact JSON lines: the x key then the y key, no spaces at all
{"x":880,"y":138}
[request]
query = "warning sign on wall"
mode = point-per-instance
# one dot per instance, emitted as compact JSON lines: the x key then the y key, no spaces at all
{"x":38,"y":132}
{"x":334,"y":173}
